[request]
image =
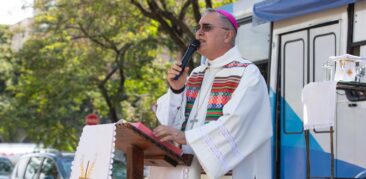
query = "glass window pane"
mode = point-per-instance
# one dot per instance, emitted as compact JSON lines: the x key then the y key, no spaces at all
{"x":48,"y":170}
{"x":5,"y":167}
{"x":32,"y":167}
{"x":65,"y":166}
{"x":253,"y":41}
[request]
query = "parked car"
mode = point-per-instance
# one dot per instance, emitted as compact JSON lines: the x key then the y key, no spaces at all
{"x":6,"y":168}
{"x":55,"y":166}
{"x":119,"y":170}
{"x":43,"y":166}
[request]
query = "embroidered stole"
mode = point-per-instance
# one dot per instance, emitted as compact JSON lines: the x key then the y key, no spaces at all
{"x":221,"y":91}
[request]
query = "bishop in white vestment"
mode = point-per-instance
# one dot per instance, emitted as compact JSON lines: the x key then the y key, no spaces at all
{"x":225,"y":114}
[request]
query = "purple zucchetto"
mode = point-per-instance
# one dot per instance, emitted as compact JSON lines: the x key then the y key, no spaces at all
{"x":229,"y":17}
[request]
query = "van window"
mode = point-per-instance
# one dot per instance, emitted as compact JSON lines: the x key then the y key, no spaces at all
{"x":32,"y":168}
{"x":253,"y":41}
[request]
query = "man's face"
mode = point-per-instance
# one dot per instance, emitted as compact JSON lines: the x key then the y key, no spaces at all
{"x":212,"y":35}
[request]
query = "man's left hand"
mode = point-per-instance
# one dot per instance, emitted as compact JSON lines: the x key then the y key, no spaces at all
{"x":166,"y":133}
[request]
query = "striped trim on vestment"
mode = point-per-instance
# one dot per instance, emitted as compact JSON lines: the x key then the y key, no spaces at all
{"x":222,"y":89}
{"x":193,"y":86}
{"x":236,"y":64}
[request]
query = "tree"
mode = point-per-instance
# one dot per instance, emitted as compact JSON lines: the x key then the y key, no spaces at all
{"x":7,"y":79}
{"x":73,"y":66}
{"x":5,"y":57}
{"x":176,"y":18}
{"x":108,"y":24}
{"x":100,"y":56}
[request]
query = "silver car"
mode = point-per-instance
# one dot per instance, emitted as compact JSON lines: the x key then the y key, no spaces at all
{"x":55,"y":166}
{"x":43,"y":166}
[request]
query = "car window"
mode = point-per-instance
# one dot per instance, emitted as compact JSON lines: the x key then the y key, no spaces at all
{"x":66,"y":163}
{"x":118,"y":170}
{"x":32,"y":168}
{"x":5,"y":167}
{"x":20,"y":167}
{"x":49,"y":170}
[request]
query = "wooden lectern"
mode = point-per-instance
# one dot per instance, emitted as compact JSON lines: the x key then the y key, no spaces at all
{"x":143,"y":149}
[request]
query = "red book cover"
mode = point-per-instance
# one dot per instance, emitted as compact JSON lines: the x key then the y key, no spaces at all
{"x":149,"y":132}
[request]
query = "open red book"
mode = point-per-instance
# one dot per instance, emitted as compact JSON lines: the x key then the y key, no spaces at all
{"x":141,"y":127}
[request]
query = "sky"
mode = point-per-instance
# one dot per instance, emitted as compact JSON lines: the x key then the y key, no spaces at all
{"x":13,"y":11}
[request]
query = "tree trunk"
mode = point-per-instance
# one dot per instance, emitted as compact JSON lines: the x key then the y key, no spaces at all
{"x":112,"y":111}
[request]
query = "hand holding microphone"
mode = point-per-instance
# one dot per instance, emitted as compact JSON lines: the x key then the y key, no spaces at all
{"x":187,"y":56}
{"x":175,"y":73}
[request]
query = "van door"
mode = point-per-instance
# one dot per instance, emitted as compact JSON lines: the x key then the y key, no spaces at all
{"x":293,"y":54}
{"x":302,"y":54}
{"x":324,"y":42}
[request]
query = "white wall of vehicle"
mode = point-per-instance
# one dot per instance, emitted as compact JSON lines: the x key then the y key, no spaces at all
{"x":359,"y":23}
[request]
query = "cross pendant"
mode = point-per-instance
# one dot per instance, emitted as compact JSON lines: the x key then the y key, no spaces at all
{"x":193,"y":121}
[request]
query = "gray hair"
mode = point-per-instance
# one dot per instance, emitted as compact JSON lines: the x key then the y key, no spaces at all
{"x":223,"y":19}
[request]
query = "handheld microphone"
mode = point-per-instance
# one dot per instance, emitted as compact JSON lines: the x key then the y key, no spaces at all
{"x":187,"y":56}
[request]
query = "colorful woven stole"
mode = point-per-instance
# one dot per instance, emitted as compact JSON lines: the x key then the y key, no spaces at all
{"x":193,"y":86}
{"x":222,"y":89}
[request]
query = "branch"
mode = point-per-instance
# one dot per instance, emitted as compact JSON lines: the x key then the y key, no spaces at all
{"x":109,"y":75}
{"x":175,"y":33}
{"x":208,"y":3}
{"x":112,"y":110}
{"x":104,"y":91}
{"x":139,"y":6}
{"x":163,"y":3}
{"x":163,"y":24}
{"x":68,"y":26}
{"x":183,"y":11}
{"x":76,"y":37}
{"x":156,"y":13}
{"x":196,"y":10}
{"x":119,"y":66}
{"x":92,"y":37}
{"x":111,"y":43}
{"x":169,"y":15}
{"x":121,"y":53}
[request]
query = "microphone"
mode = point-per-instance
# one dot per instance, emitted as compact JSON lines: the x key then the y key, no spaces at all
{"x":187,"y":56}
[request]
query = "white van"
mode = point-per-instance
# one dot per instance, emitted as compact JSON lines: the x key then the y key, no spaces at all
{"x":291,"y":48}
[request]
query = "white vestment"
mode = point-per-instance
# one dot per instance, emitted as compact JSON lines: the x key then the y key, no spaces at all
{"x":238,"y":141}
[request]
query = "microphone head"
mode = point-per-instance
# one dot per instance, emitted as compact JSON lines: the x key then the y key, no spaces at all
{"x":195,"y":44}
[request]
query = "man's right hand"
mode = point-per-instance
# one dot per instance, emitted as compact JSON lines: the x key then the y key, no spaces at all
{"x":174,"y":71}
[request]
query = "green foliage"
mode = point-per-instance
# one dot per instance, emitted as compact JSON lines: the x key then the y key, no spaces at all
{"x":50,"y":99}
{"x":95,"y":56}
{"x":7,"y":79}
{"x":144,"y":91}
{"x":6,"y":54}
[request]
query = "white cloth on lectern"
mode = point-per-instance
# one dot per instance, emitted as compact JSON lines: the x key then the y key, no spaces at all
{"x":94,"y":155}
{"x":319,"y":104}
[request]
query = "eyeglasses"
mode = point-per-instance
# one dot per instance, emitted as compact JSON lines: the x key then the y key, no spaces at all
{"x":207,"y":27}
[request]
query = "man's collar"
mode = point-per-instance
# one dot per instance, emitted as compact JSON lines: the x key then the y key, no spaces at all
{"x":229,"y":56}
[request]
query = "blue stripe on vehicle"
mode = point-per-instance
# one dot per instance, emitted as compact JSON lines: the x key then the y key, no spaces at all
{"x":293,"y":150}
